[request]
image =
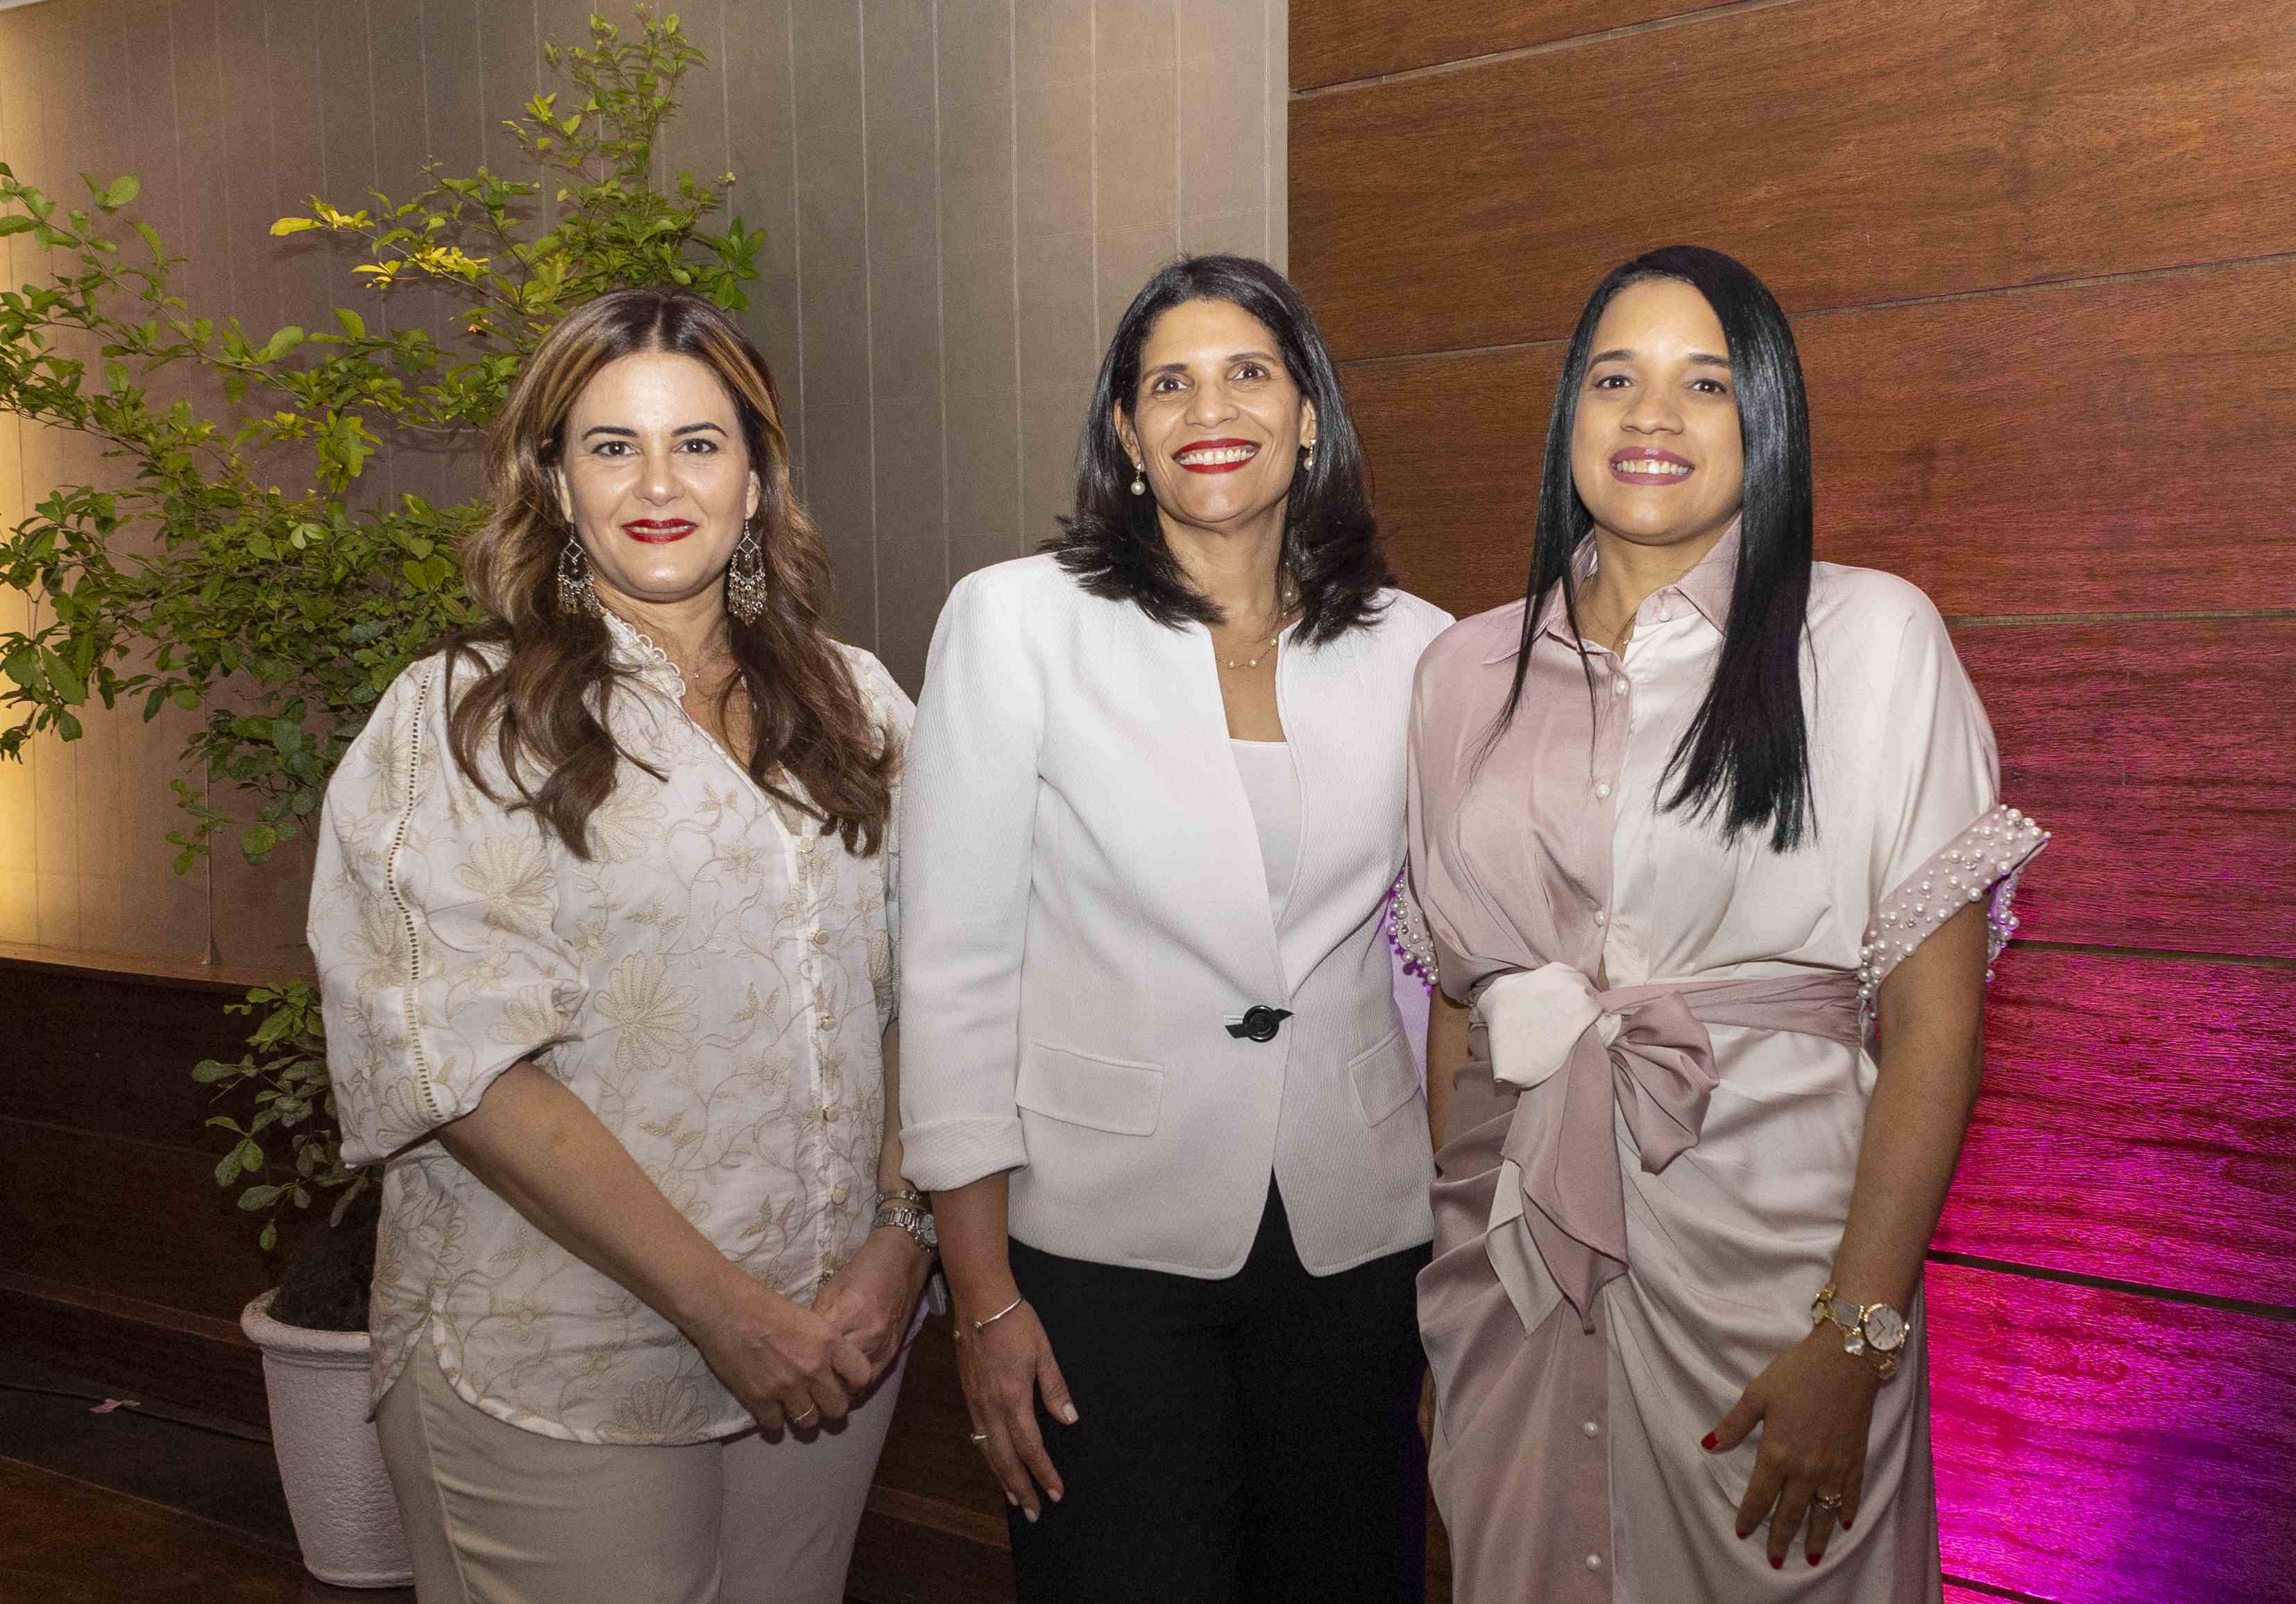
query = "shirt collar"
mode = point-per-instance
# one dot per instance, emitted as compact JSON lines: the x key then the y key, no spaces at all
{"x":1706,"y":587}
{"x":634,"y":650}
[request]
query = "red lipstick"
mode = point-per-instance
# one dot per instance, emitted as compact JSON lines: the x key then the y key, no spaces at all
{"x":658,"y":531}
{"x":1673,"y":470}
{"x":1249,"y":448}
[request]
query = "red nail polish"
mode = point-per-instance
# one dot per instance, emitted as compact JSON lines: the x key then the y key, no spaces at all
{"x":1778,"y":1563}
{"x":1711,"y":1443}
{"x":1813,"y":1559}
{"x":1845,"y":1523}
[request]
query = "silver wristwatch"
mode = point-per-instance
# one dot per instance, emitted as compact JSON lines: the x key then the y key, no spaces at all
{"x":1874,"y":1330}
{"x":907,"y":1210}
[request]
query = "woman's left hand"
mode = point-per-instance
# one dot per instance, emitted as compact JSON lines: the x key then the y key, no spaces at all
{"x":873,"y":1297}
{"x":1814,"y":1405}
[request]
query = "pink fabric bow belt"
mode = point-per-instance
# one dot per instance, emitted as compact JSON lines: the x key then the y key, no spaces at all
{"x":1575,"y":1051}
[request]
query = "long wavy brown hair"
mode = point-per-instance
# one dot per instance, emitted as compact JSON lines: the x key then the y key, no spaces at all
{"x":545,"y":681}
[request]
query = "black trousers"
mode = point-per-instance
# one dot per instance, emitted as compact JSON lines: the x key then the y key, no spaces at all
{"x":1248,"y":1440}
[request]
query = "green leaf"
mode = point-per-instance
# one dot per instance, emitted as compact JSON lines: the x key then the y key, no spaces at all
{"x":353,"y":325}
{"x":123,"y":189}
{"x":256,"y":842}
{"x":62,"y":679}
{"x":259,"y":1197}
{"x":285,"y":340}
{"x":292,"y":225}
{"x":16,"y":225}
{"x":270,"y":1237}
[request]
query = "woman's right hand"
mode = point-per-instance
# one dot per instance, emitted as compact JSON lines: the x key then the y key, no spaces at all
{"x":786,"y":1363}
{"x":1003,"y":1366}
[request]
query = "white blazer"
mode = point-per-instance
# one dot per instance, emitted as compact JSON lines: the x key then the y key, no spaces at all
{"x":1084,"y":912}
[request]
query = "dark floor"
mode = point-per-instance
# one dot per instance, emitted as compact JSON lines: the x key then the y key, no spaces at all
{"x":143,"y":1503}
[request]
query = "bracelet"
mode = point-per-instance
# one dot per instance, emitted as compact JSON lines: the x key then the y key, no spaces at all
{"x":979,"y":1326}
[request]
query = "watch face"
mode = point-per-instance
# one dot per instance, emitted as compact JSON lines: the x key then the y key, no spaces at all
{"x":1885,"y":1328}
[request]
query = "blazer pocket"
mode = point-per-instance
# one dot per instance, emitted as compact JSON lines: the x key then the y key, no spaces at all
{"x":1099,"y":1093}
{"x":1384,"y":1078}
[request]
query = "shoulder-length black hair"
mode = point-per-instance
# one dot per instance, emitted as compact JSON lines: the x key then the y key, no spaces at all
{"x":1112,"y":542}
{"x":1744,"y":761}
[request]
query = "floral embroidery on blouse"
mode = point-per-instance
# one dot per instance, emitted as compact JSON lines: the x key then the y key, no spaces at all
{"x":714,"y":982}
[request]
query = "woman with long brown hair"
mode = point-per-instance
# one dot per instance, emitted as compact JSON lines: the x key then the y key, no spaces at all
{"x":604,"y":919}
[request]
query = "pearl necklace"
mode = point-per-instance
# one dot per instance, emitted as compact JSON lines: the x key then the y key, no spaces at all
{"x":1258,"y":657}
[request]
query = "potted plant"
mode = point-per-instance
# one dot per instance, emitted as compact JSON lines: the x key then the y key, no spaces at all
{"x":193,"y":578}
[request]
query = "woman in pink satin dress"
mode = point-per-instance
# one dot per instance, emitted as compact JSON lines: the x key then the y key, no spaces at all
{"x":1708,"y":838}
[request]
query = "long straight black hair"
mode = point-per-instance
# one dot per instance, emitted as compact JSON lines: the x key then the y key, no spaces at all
{"x":1744,"y":761}
{"x":1113,"y":542}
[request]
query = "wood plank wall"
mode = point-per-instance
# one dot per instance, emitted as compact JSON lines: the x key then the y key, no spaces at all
{"x":2042,"y":264}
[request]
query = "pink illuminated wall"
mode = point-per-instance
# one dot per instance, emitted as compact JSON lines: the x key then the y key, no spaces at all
{"x":2038,"y":257}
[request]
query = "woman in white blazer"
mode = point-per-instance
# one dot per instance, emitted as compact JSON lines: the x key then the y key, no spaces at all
{"x":1156,"y":1073}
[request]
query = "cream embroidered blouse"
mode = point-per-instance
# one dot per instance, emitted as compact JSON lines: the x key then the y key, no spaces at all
{"x":714,"y":983}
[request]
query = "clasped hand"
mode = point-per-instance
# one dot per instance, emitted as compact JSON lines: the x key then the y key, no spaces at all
{"x":794,"y":1366}
{"x":1814,"y":1405}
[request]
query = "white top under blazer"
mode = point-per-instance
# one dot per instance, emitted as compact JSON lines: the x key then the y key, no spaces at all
{"x":1086,"y":910}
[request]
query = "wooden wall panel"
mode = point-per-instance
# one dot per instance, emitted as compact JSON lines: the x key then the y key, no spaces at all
{"x":2011,"y":495}
{"x":196,"y":1359}
{"x":1337,"y":41}
{"x":2159,"y":755}
{"x":116,"y":1054}
{"x":2094,"y":1448}
{"x":1851,"y":151}
{"x":2075,"y":472}
{"x":133,"y":1218}
{"x":2136,"y":1124}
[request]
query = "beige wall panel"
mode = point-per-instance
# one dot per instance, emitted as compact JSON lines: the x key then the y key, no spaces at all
{"x":509,"y":71}
{"x":1128,"y":259}
{"x":1135,"y":135}
{"x":1051,"y":40}
{"x":1134,"y":35}
{"x":934,"y":346}
{"x":904,"y":333}
{"x":1053,"y":157}
{"x":761,"y":150}
{"x":978,"y":366}
{"x":1222,"y":129}
{"x":834,"y":303}
{"x":977,"y":196}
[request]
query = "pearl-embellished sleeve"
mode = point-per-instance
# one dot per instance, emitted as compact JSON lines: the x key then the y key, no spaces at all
{"x":1407,"y":934}
{"x":1942,"y":839}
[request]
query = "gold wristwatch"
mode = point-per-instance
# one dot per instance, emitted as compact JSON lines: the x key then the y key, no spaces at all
{"x":1874,"y":1330}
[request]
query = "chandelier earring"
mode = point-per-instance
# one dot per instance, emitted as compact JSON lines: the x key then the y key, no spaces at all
{"x":745,"y":579}
{"x":578,"y":598}
{"x":1139,"y":483}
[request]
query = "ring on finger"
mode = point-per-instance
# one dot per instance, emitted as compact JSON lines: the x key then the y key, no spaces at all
{"x":799,"y":1420}
{"x":976,"y":1437}
{"x":1826,"y":1501}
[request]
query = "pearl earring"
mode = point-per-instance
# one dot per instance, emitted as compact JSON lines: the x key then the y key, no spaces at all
{"x":1139,"y":485}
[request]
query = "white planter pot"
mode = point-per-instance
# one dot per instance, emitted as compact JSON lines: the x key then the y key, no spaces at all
{"x":329,"y":1456}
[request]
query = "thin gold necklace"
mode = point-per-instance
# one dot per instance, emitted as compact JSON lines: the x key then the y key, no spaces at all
{"x":1282,"y":618}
